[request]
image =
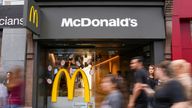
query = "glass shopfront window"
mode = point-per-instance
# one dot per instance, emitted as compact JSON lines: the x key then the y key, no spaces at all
{"x":57,"y":61}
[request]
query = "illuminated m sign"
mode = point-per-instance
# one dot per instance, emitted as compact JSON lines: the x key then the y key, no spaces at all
{"x":70,"y":84}
{"x":34,"y":16}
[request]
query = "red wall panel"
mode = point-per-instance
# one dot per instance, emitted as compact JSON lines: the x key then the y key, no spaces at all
{"x":181,"y":34}
{"x":183,"y":8}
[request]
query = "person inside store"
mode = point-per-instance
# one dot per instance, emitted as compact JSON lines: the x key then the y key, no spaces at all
{"x":15,"y":88}
{"x":170,"y":92}
{"x":138,"y":99}
{"x":114,"y":98}
{"x":120,"y":77}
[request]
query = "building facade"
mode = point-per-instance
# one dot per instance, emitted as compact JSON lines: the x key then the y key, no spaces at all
{"x":100,"y":37}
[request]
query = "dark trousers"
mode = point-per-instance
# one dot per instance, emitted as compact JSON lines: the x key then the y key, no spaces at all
{"x":151,"y":102}
{"x":141,"y":105}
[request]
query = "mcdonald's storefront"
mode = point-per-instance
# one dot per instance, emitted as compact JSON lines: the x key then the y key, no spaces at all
{"x":75,"y":44}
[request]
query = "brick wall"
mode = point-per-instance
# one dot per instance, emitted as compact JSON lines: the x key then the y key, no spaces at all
{"x":168,"y":18}
{"x":29,"y":71}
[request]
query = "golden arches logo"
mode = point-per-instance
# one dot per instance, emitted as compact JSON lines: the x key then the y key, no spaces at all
{"x":34,"y":16}
{"x":70,"y":84}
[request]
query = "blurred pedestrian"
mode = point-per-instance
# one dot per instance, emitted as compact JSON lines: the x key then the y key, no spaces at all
{"x":15,"y":88}
{"x":3,"y":90}
{"x":138,"y":99}
{"x":114,"y":98}
{"x":6,"y":81}
{"x":170,"y":92}
{"x":181,"y":69}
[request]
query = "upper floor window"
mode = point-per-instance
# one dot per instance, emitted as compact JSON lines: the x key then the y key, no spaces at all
{"x":1,"y":2}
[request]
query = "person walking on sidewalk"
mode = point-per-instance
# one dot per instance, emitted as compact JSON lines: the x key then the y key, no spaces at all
{"x":138,"y":99}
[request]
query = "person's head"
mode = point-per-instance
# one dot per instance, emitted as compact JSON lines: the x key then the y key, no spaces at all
{"x":109,"y":83}
{"x":136,"y":63}
{"x":151,"y":70}
{"x":15,"y":72}
{"x":163,"y":70}
{"x":180,"y":66}
{"x":8,"y":74}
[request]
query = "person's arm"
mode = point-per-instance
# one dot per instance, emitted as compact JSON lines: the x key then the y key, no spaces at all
{"x":149,"y":91}
{"x":181,"y":105}
{"x":136,"y":92}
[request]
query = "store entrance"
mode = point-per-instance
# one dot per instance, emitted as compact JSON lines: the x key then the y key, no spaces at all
{"x":96,"y":59}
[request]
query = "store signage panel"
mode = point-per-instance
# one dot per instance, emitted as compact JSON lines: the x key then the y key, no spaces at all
{"x":11,"y":16}
{"x":87,"y":22}
{"x":93,"y":0}
{"x":32,"y":16}
{"x":102,"y":23}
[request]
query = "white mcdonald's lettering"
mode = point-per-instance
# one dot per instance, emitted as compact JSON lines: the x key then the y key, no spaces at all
{"x":70,"y":84}
{"x":34,"y":16}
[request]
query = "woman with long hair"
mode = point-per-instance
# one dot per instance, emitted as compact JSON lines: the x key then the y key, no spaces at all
{"x":152,"y":82}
